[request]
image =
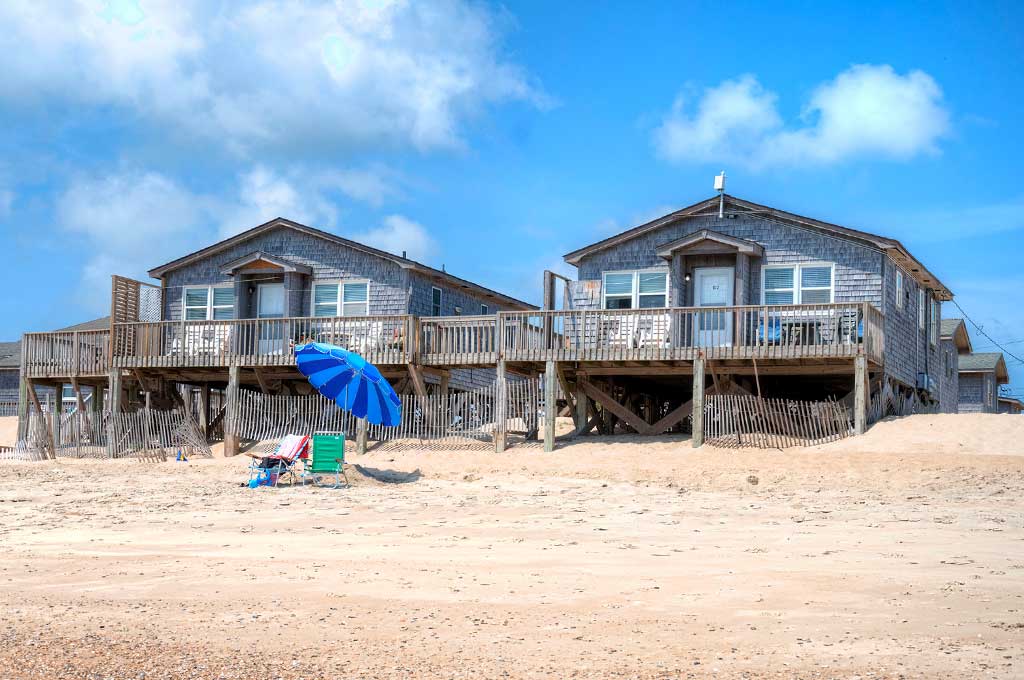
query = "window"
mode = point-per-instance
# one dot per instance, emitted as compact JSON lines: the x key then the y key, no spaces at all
{"x":435,"y":302}
{"x":346,"y":298}
{"x":209,"y":302}
{"x":798,"y":284}
{"x":988,"y":390}
{"x":936,"y":313}
{"x":485,"y":310}
{"x":899,"y":288}
{"x":920,"y":308}
{"x":635,"y":290}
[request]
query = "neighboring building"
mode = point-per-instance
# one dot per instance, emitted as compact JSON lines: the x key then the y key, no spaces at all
{"x":981,"y":374}
{"x":10,"y":365}
{"x":1010,"y":405}
{"x":743,"y":253}
{"x":953,"y":342}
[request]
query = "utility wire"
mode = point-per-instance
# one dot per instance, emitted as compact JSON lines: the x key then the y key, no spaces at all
{"x":982,"y":331}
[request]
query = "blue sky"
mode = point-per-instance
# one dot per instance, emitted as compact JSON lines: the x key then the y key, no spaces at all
{"x":495,"y":138}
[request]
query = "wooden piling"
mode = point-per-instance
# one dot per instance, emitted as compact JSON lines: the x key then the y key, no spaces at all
{"x":698,"y":402}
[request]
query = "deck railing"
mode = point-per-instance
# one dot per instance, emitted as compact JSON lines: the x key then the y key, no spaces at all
{"x":259,"y":342}
{"x":740,"y":332}
{"x":66,"y":353}
{"x":458,"y":339}
{"x":765,"y":331}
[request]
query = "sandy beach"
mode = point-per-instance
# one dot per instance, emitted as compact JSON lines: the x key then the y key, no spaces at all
{"x":899,"y":554}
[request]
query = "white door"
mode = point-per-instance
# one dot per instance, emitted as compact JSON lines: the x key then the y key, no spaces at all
{"x":270,"y":305}
{"x":713,"y":287}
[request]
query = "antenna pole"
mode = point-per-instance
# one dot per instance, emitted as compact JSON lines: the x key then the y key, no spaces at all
{"x":720,"y":185}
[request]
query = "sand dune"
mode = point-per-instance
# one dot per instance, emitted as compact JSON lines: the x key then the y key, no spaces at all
{"x":897,"y":554}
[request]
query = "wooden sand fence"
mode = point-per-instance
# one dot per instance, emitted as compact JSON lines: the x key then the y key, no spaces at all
{"x":449,"y":421}
{"x":147,"y":434}
{"x":734,"y":421}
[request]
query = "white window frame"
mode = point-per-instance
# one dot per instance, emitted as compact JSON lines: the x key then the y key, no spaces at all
{"x":485,"y":310}
{"x":210,"y":307}
{"x":440,"y":301}
{"x":933,"y":332}
{"x":797,"y":278}
{"x":635,"y":293}
{"x":899,"y":288}
{"x":339,"y":305}
{"x":921,"y":302}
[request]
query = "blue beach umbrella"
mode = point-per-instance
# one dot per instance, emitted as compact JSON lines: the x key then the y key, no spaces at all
{"x":348,"y":380}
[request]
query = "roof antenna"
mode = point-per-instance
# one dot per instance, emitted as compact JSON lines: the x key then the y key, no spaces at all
{"x":720,"y":188}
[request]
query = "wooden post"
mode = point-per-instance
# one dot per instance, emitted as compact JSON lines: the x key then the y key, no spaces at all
{"x":442,"y":388}
{"x":860,"y":397}
{"x":23,"y":400}
{"x":698,"y":402}
{"x":550,"y":397}
{"x":232,"y":396}
{"x":204,"y":410}
{"x":500,"y":408}
{"x":58,"y":411}
{"x":361,"y":436}
{"x":581,"y":405}
{"x":114,"y":381}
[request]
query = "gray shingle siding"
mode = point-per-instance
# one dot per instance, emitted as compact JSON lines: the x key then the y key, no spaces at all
{"x":858,"y":267}
{"x":973,"y":388}
{"x":949,"y":377}
{"x":389,"y":283}
{"x":9,"y":379}
{"x":908,"y":348}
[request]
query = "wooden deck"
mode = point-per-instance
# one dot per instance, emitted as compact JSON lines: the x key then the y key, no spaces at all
{"x":785,"y":333}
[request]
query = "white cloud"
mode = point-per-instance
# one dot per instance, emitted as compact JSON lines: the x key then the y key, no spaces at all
{"x":267,"y":73}
{"x":866,"y":111}
{"x":398,"y":234}
{"x":132,"y":221}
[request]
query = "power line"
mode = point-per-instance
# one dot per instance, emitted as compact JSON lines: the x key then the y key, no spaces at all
{"x":982,"y":331}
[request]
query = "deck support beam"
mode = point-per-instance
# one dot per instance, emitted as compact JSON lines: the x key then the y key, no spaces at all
{"x":550,"y":399}
{"x":582,"y":408}
{"x":860,"y":397}
{"x":362,"y":431}
{"x":698,"y":402}
{"x":232,"y":396}
{"x":500,"y":408}
{"x":204,"y":410}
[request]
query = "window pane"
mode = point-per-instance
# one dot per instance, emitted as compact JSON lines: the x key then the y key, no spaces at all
{"x":325,"y":310}
{"x":484,"y":309}
{"x":195,"y":314}
{"x":619,"y":302}
{"x":778,"y":297}
{"x":652,"y":282}
{"x":816,"y":277}
{"x":354,"y":309}
{"x":436,"y":293}
{"x":223,"y":297}
{"x":196,"y":297}
{"x":778,"y":278}
{"x":223,"y":312}
{"x":814,"y":297}
{"x":325,"y":293}
{"x":651,"y":301}
{"x":618,"y":284}
{"x":355,"y":292}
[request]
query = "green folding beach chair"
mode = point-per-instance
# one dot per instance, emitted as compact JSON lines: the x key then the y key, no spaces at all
{"x":326,"y":460}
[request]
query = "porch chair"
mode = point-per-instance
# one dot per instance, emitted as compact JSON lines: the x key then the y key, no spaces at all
{"x":326,"y":460}
{"x":267,"y":470}
{"x":769,"y":331}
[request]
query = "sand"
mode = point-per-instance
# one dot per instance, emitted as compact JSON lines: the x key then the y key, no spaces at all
{"x":8,"y":430}
{"x":897,"y":554}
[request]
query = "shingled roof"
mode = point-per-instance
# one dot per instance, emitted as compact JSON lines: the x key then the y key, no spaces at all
{"x":985,"y":362}
{"x":891,"y":247}
{"x":956,"y":330}
{"x":404,"y":262}
{"x":100,"y":324}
